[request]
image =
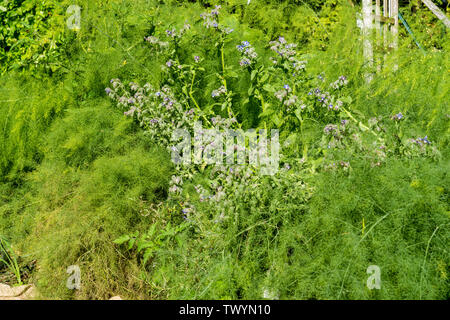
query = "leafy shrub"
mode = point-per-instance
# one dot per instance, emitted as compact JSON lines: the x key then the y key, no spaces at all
{"x":31,"y":34}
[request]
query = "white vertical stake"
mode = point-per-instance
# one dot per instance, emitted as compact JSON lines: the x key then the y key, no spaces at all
{"x":438,"y":13}
{"x":394,"y":27}
{"x":385,"y":26}
{"x":378,"y":30}
{"x":367,"y":27}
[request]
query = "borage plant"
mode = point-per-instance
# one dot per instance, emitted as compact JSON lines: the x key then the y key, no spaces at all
{"x":209,"y":200}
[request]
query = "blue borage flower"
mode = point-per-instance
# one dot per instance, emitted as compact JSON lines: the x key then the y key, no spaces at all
{"x":287,"y":53}
{"x":425,"y":140}
{"x":287,"y":98}
{"x":172,"y":33}
{"x":344,"y":165}
{"x":156,"y":41}
{"x":115,"y":83}
{"x":281,"y":94}
{"x":211,"y":20}
{"x":249,"y":54}
{"x":339,"y":83}
{"x":245,"y":62}
{"x":165,"y":111}
{"x":290,"y":101}
{"x":133,"y":86}
{"x":331,"y":129}
{"x":218,"y":92}
{"x":397,"y":117}
{"x":422,"y":141}
{"x":228,"y":30}
{"x":326,"y":99}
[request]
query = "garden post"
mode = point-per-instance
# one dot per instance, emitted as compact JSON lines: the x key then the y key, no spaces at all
{"x":366,"y":28}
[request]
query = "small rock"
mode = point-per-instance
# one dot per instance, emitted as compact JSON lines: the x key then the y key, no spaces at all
{"x":25,"y":292}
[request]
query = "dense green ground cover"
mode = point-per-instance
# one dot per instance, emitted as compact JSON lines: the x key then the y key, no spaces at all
{"x":82,"y":184}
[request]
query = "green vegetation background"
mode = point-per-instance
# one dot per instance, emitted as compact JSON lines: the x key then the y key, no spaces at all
{"x":75,"y":174}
